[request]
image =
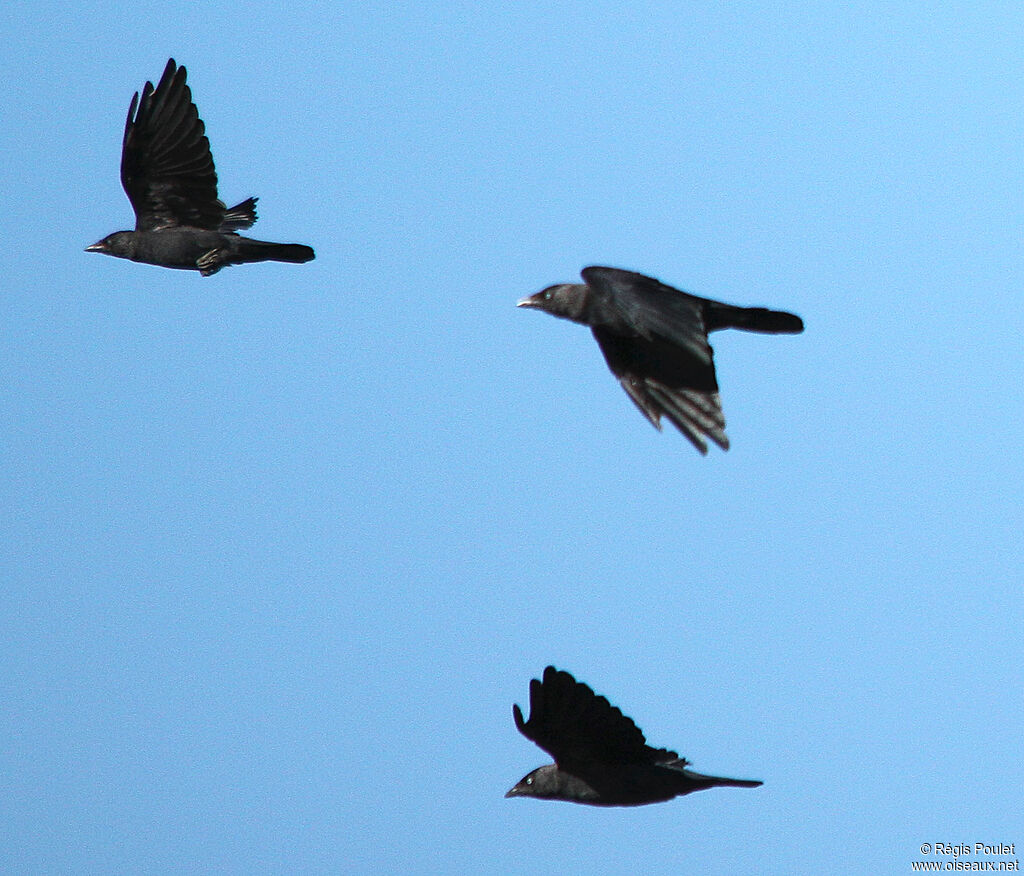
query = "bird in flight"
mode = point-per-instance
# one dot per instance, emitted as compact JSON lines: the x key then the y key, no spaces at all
{"x":655,"y":341}
{"x":168,"y":174}
{"x":601,"y":756}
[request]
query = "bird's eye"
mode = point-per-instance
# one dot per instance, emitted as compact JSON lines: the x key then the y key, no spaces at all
{"x":529,"y":781}
{"x":547,"y":294}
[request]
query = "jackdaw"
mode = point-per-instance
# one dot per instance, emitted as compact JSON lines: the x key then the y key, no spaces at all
{"x":655,"y":340}
{"x":167,"y":172}
{"x":601,"y":757}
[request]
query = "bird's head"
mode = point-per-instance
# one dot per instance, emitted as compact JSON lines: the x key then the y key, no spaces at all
{"x":567,"y":300}
{"x":119,"y":243}
{"x":545,"y":781}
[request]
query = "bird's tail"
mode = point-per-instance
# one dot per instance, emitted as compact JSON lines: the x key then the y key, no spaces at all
{"x":261,"y":251}
{"x":752,"y":319}
{"x":720,"y":782}
{"x":240,"y":216}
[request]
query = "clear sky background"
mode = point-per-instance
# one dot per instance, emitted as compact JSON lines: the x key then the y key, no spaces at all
{"x":282,"y":546}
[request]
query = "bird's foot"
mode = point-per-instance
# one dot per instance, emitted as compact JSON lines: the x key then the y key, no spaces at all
{"x":211,"y":262}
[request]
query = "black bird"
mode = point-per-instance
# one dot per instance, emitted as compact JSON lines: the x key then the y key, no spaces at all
{"x":655,"y":340}
{"x":601,"y":757}
{"x":167,"y":172}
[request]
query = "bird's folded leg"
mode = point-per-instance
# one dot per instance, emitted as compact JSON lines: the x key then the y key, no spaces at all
{"x":211,"y":262}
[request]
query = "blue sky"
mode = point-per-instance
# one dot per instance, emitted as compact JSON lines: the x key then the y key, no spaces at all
{"x":282,"y":546}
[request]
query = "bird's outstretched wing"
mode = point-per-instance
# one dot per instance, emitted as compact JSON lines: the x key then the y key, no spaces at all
{"x":662,"y":380}
{"x":655,"y":341}
{"x":166,"y":167}
{"x":582,"y":730}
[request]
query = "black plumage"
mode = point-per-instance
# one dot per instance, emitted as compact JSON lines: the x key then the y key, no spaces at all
{"x":168,"y":174}
{"x":601,"y":756}
{"x":655,"y":341}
